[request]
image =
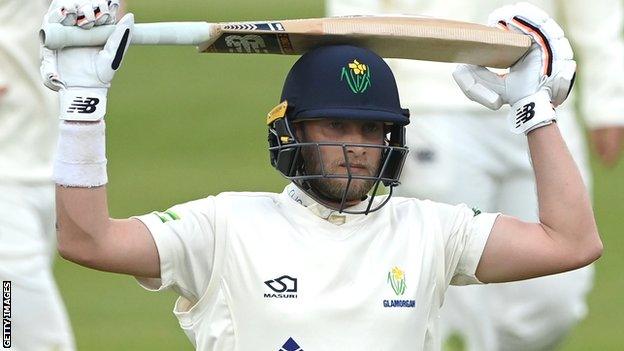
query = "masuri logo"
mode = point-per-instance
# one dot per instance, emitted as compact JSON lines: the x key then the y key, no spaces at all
{"x":357,"y":75}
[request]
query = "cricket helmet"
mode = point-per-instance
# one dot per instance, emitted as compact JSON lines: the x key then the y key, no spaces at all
{"x":339,"y":82}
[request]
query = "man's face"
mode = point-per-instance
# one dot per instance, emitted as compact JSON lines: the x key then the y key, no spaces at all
{"x":363,"y":161}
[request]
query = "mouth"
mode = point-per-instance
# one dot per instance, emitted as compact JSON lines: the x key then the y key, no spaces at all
{"x":357,"y":168}
{"x":354,"y":165}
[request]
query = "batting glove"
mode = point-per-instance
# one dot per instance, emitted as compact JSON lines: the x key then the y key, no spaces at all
{"x":538,"y":82}
{"x":82,"y":76}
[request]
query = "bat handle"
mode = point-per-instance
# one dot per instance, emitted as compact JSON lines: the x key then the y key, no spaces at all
{"x":57,"y":36}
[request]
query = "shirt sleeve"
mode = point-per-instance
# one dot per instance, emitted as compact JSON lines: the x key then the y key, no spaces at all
{"x":184,"y":237}
{"x":465,"y":232}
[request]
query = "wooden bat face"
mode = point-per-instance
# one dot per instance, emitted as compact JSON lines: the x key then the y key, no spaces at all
{"x":407,"y":37}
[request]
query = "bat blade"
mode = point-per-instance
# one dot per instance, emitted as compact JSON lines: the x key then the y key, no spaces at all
{"x":408,"y":37}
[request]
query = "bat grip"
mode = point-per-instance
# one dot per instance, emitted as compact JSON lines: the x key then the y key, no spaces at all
{"x":57,"y":36}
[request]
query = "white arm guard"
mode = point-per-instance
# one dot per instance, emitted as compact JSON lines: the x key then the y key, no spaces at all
{"x":80,"y":159}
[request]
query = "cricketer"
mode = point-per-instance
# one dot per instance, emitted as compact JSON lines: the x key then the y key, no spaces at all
{"x":330,"y":262}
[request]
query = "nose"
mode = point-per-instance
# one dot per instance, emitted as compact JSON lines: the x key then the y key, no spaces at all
{"x":356,"y":150}
{"x":355,"y":137}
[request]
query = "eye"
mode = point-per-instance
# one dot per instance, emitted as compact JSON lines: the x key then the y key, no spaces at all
{"x":336,"y":124}
{"x":371,"y":127}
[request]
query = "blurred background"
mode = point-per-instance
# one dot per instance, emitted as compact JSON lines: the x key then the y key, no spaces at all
{"x":183,"y":126}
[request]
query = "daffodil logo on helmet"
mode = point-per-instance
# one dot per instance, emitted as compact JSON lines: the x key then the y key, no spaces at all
{"x":357,"y":75}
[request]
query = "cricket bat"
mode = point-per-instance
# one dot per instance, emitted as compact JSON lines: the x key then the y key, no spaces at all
{"x":407,"y":37}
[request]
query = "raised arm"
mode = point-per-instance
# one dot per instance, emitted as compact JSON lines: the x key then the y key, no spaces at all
{"x":86,"y":234}
{"x":566,"y":236}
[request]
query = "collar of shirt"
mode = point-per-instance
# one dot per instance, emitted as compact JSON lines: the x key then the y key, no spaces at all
{"x":321,"y":211}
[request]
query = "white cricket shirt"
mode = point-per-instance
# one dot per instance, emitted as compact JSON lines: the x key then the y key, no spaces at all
{"x":261,"y":271}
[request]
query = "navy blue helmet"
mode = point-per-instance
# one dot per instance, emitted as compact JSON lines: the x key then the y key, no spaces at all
{"x":339,"y":82}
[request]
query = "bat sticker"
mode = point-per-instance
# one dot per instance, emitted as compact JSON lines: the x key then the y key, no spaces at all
{"x":271,"y":26}
{"x":253,"y":44}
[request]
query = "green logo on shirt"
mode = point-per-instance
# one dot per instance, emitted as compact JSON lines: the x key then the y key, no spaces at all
{"x":396,"y":279}
{"x":167,"y":216}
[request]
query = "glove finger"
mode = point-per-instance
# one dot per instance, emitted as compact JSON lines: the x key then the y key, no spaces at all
{"x":101,"y":12}
{"x":501,"y":15}
{"x":540,"y":39}
{"x":494,"y":81}
{"x":113,"y":8}
{"x":480,"y":85}
{"x":528,"y":19}
{"x":48,"y":69}
{"x":562,"y":51}
{"x":562,"y":55}
{"x":525,"y":10}
{"x":564,"y":82}
{"x":551,"y":29}
{"x":111,"y":56}
{"x":63,"y":12}
{"x":532,"y":12}
{"x":86,"y":16}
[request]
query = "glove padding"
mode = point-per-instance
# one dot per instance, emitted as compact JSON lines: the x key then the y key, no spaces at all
{"x":540,"y":80}
{"x":83,"y":75}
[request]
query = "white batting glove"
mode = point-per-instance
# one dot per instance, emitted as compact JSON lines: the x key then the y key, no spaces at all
{"x":83,"y":75}
{"x":538,"y":82}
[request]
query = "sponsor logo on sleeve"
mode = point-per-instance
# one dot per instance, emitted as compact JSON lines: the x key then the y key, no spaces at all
{"x":167,"y":216}
{"x":476,"y":211}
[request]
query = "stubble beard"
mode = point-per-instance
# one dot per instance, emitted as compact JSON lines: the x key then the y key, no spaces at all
{"x":333,"y":188}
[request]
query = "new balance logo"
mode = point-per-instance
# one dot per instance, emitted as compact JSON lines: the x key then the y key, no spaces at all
{"x":525,"y":113}
{"x":83,"y":105}
{"x":290,"y":345}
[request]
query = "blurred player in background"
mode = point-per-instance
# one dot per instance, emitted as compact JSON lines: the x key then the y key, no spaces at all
{"x":456,"y":157}
{"x":28,"y":131}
